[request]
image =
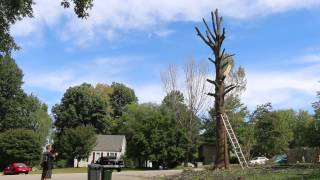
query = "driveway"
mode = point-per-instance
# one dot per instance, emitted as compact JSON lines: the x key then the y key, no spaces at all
{"x":124,"y":175}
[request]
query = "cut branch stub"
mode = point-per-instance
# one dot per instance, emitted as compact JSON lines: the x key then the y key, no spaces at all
{"x":214,"y":62}
{"x":229,"y":89}
{"x":212,"y":82}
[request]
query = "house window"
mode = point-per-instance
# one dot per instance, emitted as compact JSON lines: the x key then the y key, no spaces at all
{"x":107,"y":154}
{"x":98,"y":155}
{"x":115,"y":154}
{"x":102,"y":154}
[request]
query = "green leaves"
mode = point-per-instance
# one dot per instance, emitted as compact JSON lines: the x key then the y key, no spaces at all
{"x":23,"y":114}
{"x":152,"y":135}
{"x":10,"y":12}
{"x":76,"y":143}
{"x":17,"y":109}
{"x":274,"y":132}
{"x":120,"y":98}
{"x":81,"y":7}
{"x":82,"y":105}
{"x":20,"y":145}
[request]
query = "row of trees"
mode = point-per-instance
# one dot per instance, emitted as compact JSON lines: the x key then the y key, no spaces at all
{"x":170,"y":132}
{"x":84,"y":111}
{"x":24,"y":121}
{"x":166,"y":133}
{"x":268,"y":132}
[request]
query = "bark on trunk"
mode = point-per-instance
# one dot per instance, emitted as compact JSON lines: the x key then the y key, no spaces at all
{"x":214,"y":39}
{"x":222,"y":156}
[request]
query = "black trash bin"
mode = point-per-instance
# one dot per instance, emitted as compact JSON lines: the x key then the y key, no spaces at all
{"x":106,"y":174}
{"x":94,"y":172}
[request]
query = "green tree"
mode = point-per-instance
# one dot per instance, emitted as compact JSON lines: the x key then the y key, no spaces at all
{"x":19,"y":145}
{"x":303,"y":127}
{"x":105,"y":92}
{"x":316,"y":106}
{"x":274,"y":132}
{"x":82,"y":106}
{"x":17,"y":109}
{"x":43,"y":124}
{"x":314,"y":125}
{"x":152,"y":135}
{"x":76,"y":143}
{"x":121,"y":97}
{"x":174,"y":102}
{"x":11,"y":93}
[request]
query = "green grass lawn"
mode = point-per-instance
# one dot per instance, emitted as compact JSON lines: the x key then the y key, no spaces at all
{"x":304,"y":172}
{"x":64,"y":170}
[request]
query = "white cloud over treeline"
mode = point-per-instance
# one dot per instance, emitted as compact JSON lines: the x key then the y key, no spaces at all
{"x":109,"y":18}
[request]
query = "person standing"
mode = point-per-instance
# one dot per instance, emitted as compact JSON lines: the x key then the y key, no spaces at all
{"x":47,"y":163}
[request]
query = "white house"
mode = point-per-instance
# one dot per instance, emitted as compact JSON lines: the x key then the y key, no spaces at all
{"x":106,"y":145}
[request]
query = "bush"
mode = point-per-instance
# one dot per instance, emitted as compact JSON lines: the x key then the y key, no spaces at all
{"x":20,"y":145}
{"x":61,"y":163}
{"x":128,"y":162}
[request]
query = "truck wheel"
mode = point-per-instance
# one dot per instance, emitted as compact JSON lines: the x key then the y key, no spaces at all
{"x":119,"y":169}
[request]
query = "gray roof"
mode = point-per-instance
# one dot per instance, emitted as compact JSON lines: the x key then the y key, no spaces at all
{"x":111,"y":143}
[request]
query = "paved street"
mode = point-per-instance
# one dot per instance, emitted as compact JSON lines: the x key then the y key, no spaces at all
{"x":125,"y":175}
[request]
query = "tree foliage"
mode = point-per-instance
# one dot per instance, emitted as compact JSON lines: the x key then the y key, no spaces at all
{"x":273,"y":132}
{"x":316,"y":106}
{"x":20,"y":145}
{"x":174,"y":102}
{"x":303,"y":130}
{"x":81,"y":7}
{"x":121,"y":97}
{"x":152,"y":135}
{"x":82,"y":106}
{"x":76,"y":143}
{"x":17,"y":109}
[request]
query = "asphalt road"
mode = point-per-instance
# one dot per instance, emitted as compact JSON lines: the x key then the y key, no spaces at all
{"x":124,"y":175}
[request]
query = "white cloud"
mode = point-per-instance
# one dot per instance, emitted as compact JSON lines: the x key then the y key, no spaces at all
{"x":149,"y":92}
{"x":294,"y":88}
{"x":110,"y":18}
{"x":98,"y":70}
{"x":46,"y":13}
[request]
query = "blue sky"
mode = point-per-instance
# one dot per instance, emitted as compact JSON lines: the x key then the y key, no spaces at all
{"x":276,"y":41}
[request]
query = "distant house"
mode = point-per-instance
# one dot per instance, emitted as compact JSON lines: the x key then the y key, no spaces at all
{"x":207,"y":153}
{"x":303,"y":155}
{"x":107,"y":145}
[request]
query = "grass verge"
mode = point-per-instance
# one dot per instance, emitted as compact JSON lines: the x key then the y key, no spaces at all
{"x":260,"y":173}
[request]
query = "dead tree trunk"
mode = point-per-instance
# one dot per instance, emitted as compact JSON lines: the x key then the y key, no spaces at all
{"x":222,"y":67}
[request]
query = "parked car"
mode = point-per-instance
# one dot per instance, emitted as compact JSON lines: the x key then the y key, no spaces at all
{"x":111,"y":163}
{"x":17,"y":168}
{"x":280,"y":159}
{"x":258,"y":161}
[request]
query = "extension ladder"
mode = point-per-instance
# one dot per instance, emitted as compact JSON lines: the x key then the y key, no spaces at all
{"x":234,"y":141}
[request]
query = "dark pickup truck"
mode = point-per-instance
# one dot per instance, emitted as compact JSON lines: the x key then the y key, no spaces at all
{"x":111,"y":163}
